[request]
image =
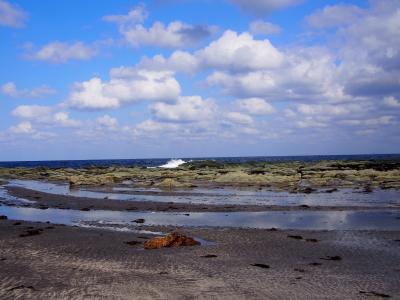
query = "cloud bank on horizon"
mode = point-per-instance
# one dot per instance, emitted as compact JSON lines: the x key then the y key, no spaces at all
{"x":198,"y":78}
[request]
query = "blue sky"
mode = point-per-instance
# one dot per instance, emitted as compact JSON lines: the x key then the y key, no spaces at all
{"x":129,"y":79}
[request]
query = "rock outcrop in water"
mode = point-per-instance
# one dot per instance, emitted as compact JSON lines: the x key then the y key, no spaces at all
{"x":173,"y":239}
{"x":298,"y":177}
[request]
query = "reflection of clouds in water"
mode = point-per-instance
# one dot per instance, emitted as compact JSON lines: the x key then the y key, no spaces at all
{"x":327,"y":220}
{"x":12,"y":199}
{"x":343,"y":197}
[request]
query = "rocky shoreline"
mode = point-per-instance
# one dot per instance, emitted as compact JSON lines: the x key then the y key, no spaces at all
{"x":295,"y":177}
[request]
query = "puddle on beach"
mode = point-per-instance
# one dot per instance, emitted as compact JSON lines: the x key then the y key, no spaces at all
{"x":306,"y":220}
{"x":343,"y":197}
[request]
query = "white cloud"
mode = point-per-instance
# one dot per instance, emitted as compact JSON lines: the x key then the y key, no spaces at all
{"x":179,"y":61}
{"x":328,"y":109}
{"x":391,"y":102}
{"x":155,"y":126}
{"x":107,"y":122}
{"x":125,"y":86}
{"x":186,"y":109}
{"x":310,"y":123}
{"x":239,"y":118}
{"x":383,"y":120}
{"x":174,"y":35}
{"x":334,"y":15}
{"x":90,"y":95}
{"x":262,"y":7}
{"x":239,"y":52}
{"x":231,"y":52}
{"x":62,"y":119}
{"x":11,"y":15}
{"x":26,"y":129}
{"x":255,"y":106}
{"x":252,"y":84}
{"x":44,"y":115}
{"x":136,"y":15}
{"x":31,"y":111}
{"x":22,"y":128}
{"x":10,"y":89}
{"x":59,"y":52}
{"x":260,"y":27}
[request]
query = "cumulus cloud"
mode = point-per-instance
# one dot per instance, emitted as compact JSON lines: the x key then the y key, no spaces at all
{"x":155,"y":126}
{"x":383,"y":120}
{"x":44,"y":115}
{"x":391,"y":102}
{"x":179,"y":61}
{"x":232,"y":52}
{"x":107,"y":121}
{"x":186,"y":109}
{"x":334,"y":15}
{"x":174,"y":35}
{"x":255,"y":106}
{"x":240,"y":52}
{"x":26,"y":129}
{"x":60,"y":52}
{"x":22,"y":128}
{"x":238,"y":117}
{"x":12,"y":15}
{"x":10,"y":89}
{"x":262,"y":7}
{"x":261,"y":27}
{"x":126,"y":85}
{"x":136,"y":15}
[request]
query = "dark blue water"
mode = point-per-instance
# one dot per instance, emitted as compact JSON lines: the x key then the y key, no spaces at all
{"x":154,"y":162}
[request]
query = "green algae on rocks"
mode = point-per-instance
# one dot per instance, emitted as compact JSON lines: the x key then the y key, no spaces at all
{"x":284,"y":176}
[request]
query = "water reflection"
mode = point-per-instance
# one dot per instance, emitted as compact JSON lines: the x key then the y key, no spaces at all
{"x":307,"y":220}
{"x":344,"y":197}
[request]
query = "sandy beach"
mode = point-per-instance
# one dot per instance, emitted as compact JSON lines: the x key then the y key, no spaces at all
{"x":343,"y":243}
{"x":75,"y":263}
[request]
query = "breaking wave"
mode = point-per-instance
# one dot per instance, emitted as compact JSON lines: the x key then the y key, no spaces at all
{"x":173,"y":163}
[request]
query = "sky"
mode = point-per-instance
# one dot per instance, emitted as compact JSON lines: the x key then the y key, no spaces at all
{"x":100,"y":79}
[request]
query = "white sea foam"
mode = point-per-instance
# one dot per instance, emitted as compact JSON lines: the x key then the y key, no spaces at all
{"x":173,"y":163}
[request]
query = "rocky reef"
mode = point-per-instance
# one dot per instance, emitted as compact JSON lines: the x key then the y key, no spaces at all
{"x":283,"y":176}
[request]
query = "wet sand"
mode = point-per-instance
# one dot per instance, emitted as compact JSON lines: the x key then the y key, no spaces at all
{"x":74,"y":263}
{"x":48,"y":200}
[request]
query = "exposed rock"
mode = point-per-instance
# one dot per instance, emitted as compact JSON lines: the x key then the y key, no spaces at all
{"x":132,"y":243}
{"x":171,"y":240}
{"x":312,"y":240}
{"x":169,"y":183}
{"x":372,"y":293}
{"x":31,"y":232}
{"x":304,"y":206}
{"x":332,"y":258}
{"x":308,"y":190}
{"x":139,"y":221}
{"x":296,"y":237}
{"x":260,"y":266}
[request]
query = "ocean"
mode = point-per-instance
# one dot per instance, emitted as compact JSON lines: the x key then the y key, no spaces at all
{"x":174,"y":162}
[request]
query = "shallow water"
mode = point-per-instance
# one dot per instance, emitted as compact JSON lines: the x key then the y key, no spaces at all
{"x":343,"y":197}
{"x":306,"y":220}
